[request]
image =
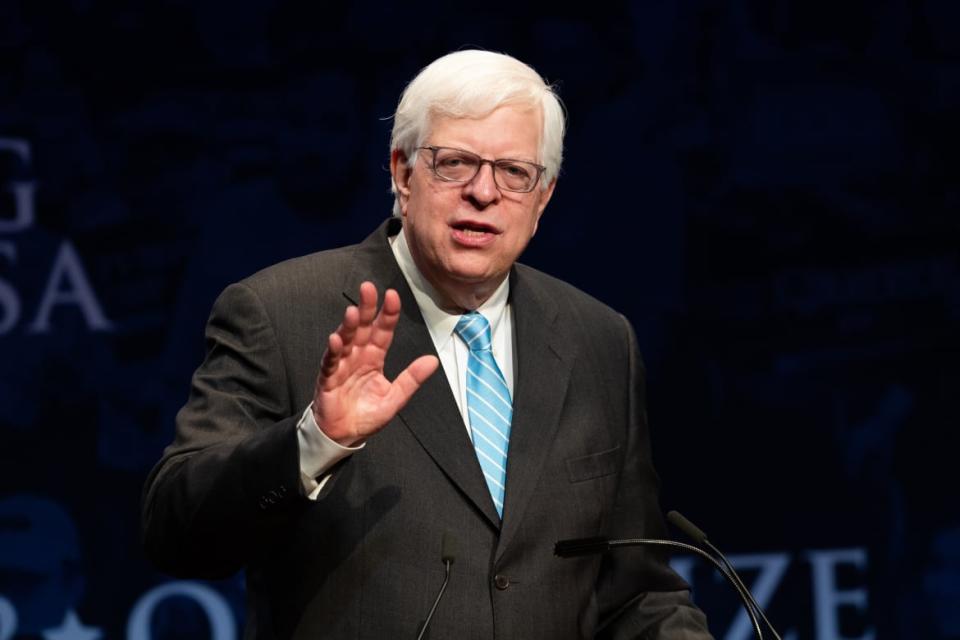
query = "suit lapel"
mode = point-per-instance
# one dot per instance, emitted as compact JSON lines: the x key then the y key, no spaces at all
{"x":432,"y":414}
{"x":544,"y":360}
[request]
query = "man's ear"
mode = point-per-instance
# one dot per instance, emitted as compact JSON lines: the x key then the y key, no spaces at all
{"x":400,"y":171}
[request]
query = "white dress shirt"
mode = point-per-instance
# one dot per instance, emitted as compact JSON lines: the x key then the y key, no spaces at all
{"x":318,"y":453}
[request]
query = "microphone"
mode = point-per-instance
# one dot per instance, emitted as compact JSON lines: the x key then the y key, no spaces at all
{"x":588,"y":546}
{"x":697,"y":535}
{"x":448,"y":552}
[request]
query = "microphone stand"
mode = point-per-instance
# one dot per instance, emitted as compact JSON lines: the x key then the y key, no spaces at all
{"x":697,"y":535}
{"x":589,"y":546}
{"x":443,"y":587}
{"x":447,"y":555}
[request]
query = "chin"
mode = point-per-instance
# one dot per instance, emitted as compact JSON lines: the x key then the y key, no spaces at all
{"x":468,"y":277}
{"x":472,"y":272}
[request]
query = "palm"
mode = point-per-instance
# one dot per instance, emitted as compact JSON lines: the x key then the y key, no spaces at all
{"x":353,"y":398}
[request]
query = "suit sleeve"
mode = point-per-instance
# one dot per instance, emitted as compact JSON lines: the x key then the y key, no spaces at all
{"x":639,"y":595}
{"x":230,"y":481}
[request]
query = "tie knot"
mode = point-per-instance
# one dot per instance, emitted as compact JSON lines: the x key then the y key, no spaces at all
{"x":474,"y":329}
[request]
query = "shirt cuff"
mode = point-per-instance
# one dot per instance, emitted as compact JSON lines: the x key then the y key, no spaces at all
{"x":318,"y":453}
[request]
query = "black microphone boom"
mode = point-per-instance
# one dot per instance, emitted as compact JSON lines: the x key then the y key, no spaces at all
{"x":581,"y":547}
{"x":698,"y":536}
{"x":448,"y":549}
{"x":587,"y":546}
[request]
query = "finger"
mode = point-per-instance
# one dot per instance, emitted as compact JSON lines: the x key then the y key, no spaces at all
{"x":331,"y":357}
{"x":368,"y":311}
{"x":410,"y":379}
{"x":348,"y":326}
{"x":386,"y":321}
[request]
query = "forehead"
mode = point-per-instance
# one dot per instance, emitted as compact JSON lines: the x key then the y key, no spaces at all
{"x":510,"y":131}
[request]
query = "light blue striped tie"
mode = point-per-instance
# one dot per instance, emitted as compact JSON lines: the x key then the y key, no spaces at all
{"x":488,"y":404}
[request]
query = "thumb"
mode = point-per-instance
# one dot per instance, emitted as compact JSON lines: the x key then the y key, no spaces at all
{"x":410,"y":379}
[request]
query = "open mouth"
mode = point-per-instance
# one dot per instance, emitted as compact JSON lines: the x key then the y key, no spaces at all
{"x":473,"y":234}
{"x":470,"y":228}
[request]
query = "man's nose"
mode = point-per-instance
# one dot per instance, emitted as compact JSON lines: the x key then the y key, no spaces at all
{"x":483,"y":188}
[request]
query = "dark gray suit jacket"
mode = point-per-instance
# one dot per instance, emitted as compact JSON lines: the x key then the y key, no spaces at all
{"x":363,"y":561}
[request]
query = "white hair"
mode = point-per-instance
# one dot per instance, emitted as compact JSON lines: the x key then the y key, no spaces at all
{"x":472,"y":84}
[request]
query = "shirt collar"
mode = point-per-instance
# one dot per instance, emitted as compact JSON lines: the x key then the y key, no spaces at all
{"x":439,"y":322}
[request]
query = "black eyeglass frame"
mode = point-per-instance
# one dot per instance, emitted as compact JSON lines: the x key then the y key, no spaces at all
{"x":482,"y":161}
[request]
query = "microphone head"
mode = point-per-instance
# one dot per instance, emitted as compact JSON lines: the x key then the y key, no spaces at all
{"x":687,"y":527}
{"x":448,"y":547}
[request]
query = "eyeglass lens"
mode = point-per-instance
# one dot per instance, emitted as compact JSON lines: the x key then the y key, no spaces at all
{"x":461,"y":166}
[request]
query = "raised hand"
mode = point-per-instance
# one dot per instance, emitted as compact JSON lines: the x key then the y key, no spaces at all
{"x":353,"y":399}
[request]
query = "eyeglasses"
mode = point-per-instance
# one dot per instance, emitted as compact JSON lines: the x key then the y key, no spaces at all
{"x":457,"y":165}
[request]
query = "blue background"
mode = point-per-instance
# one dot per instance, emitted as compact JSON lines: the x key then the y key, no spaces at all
{"x":763,"y":187}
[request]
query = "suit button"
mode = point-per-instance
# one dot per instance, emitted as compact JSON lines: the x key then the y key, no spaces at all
{"x":501,"y":582}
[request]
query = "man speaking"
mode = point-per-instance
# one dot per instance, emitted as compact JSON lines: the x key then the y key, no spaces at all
{"x":332,"y":442}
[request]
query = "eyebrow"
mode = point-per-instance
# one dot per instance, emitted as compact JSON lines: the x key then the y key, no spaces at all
{"x":443,"y":146}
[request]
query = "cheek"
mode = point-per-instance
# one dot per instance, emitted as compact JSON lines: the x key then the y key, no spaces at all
{"x":428,"y":204}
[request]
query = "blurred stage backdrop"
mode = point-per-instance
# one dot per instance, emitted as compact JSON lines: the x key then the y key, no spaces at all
{"x":767,"y":188}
